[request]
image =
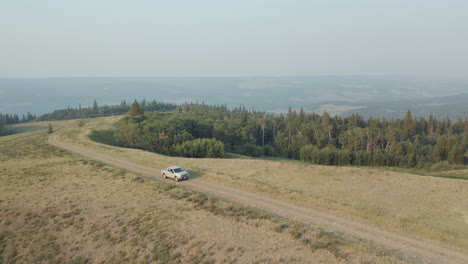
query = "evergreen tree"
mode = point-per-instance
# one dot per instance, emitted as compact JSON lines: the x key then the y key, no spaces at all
{"x":136,"y":109}
{"x":326,"y":124}
{"x":2,"y":123}
{"x":310,"y":137}
{"x":408,"y":125}
{"x":50,"y":130}
{"x":95,"y":106}
{"x":455,"y":155}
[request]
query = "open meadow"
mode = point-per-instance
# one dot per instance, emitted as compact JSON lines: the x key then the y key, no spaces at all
{"x":58,"y":207}
{"x":434,"y":208}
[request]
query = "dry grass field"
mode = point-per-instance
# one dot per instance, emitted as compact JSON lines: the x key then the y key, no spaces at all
{"x":432,"y":208}
{"x":57,"y":207}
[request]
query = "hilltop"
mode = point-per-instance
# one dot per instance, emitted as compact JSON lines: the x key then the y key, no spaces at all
{"x":134,"y":217}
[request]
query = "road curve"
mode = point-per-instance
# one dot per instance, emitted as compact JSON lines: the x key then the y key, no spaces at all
{"x":425,"y":251}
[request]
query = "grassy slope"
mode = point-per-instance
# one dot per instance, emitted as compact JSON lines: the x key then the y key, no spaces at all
{"x":56,"y":207}
{"x":426,"y":207}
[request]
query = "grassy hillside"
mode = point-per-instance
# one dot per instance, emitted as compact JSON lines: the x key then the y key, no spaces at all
{"x":419,"y":205}
{"x":56,"y":207}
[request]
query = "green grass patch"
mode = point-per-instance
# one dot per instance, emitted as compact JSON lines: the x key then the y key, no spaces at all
{"x":14,"y":134}
{"x":28,"y":147}
{"x":231,"y":155}
{"x":25,"y":129}
{"x":440,"y":171}
{"x":103,"y":136}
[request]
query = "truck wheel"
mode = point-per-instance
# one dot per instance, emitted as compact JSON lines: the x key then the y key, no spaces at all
{"x":164,"y":176}
{"x":176,"y":179}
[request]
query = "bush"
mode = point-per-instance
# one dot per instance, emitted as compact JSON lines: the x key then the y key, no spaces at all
{"x":103,"y":136}
{"x":344,"y":157}
{"x":50,"y":130}
{"x":307,"y":153}
{"x":249,"y":150}
{"x":445,"y":166}
{"x":456,"y":154}
{"x":328,"y":156}
{"x":268,"y":150}
{"x":362,"y":158}
{"x":200,"y":148}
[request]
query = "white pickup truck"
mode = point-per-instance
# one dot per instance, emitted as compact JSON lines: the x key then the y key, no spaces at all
{"x":175,"y":172}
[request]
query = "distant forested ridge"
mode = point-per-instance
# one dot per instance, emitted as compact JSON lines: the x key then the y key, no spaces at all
{"x":376,"y":96}
{"x":195,"y":130}
{"x":107,"y":110}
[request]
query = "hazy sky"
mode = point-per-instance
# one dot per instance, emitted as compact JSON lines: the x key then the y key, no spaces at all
{"x":41,"y":38}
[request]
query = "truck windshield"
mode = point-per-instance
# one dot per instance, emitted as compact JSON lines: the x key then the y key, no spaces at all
{"x":178,"y":170}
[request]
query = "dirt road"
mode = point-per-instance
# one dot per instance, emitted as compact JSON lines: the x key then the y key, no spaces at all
{"x":425,"y":251}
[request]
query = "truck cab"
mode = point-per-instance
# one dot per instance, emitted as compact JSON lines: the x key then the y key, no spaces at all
{"x":175,"y":172}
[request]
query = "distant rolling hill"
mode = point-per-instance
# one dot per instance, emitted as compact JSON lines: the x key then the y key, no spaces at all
{"x":454,"y":106}
{"x":387,"y":96}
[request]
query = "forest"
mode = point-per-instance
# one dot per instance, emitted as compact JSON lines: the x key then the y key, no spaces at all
{"x":198,"y":130}
{"x":107,"y":110}
{"x":10,"y":119}
{"x":81,"y":112}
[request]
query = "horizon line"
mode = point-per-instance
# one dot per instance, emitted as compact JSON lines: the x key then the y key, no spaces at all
{"x":244,"y":76}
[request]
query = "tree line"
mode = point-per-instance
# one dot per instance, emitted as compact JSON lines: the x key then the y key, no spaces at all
{"x":164,"y":133}
{"x":106,"y":110}
{"x":81,"y":112}
{"x":10,"y":119}
{"x":319,"y":139}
